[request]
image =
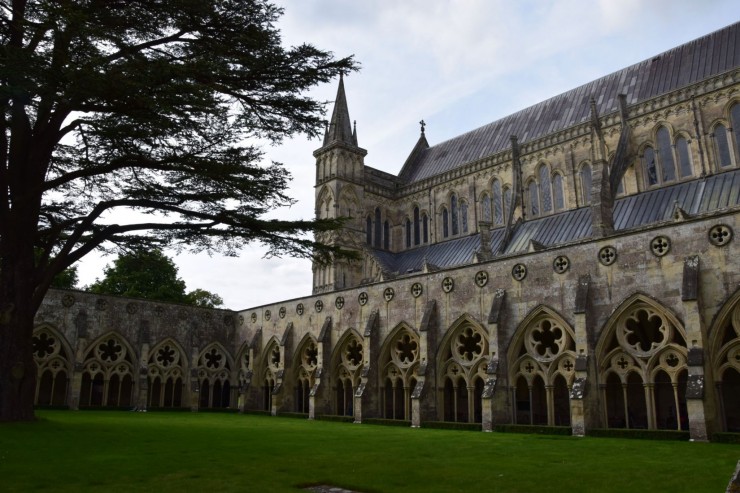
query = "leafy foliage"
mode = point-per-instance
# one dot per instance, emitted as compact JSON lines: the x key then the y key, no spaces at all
{"x":67,"y":279}
{"x":204,"y":299}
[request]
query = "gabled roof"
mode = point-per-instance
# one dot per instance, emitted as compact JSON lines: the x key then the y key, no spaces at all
{"x":682,"y":66}
{"x":696,"y":197}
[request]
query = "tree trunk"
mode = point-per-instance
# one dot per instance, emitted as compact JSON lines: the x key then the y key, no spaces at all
{"x":17,"y":367}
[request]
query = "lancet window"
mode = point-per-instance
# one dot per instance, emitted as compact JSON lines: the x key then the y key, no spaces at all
{"x":214,"y":372}
{"x":399,"y":364}
{"x":53,"y":367}
{"x":167,"y":367}
{"x":108,"y":374}
{"x":348,"y":366}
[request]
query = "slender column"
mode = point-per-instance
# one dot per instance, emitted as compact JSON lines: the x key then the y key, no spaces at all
{"x":626,"y":406}
{"x":550,"y":405}
{"x":531,"y":407}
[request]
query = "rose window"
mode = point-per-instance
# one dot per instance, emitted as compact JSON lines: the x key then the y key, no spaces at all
{"x":546,"y":340}
{"x":468,"y":345}
{"x":43,"y":345}
{"x":311,"y":356}
{"x":110,"y":350}
{"x":213,"y":359}
{"x":353,"y":353}
{"x":166,"y":356}
{"x":406,"y":350}
{"x":644,"y":331}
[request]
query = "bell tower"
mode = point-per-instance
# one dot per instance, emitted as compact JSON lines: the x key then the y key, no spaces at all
{"x":340,"y":194}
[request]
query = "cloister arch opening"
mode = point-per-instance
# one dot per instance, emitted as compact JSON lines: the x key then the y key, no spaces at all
{"x":52,"y":355}
{"x":725,"y":350}
{"x":167,"y":369}
{"x":542,"y":369}
{"x":108,"y":373}
{"x":347,"y":362}
{"x":462,"y":361}
{"x":642,"y":366}
{"x":214,"y":377}
{"x":271,"y":364}
{"x":306,"y":357}
{"x":399,"y":363}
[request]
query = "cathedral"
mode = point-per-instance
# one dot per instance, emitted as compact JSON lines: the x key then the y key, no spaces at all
{"x":572,"y":264}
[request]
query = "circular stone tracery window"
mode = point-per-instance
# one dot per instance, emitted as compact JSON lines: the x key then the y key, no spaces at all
{"x":299,"y":309}
{"x":310,"y":356}
{"x":448,"y":284}
{"x":362,"y":298}
{"x":352,"y":355}
{"x":254,"y":317}
{"x":468,"y":346}
{"x":319,"y":305}
{"x":519,"y":272}
{"x":546,"y":339}
{"x":660,"y":245}
{"x":388,"y":294}
{"x":267,"y":314}
{"x":405,"y":351}
{"x":720,"y":235}
{"x":339,"y":302}
{"x":561,"y":264}
{"x":416,"y":290}
{"x":608,"y":255}
{"x":481,"y":278}
{"x":281,"y":312}
{"x":643,"y":332}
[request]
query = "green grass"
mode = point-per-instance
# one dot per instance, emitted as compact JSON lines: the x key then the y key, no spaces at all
{"x":126,"y":451}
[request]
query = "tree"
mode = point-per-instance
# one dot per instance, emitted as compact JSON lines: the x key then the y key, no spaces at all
{"x":204,"y":299}
{"x":67,"y":279}
{"x":142,"y":274}
{"x":131,"y":124}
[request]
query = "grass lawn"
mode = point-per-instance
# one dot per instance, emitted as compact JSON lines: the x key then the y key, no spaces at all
{"x":125,"y":451}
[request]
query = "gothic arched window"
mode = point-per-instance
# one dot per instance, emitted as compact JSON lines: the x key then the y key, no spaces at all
{"x":464,"y":216}
{"x":369,"y":230}
{"x":425,"y":228}
{"x":545,"y":195}
{"x":586,"y":183}
{"x":722,"y":146}
{"x":665,"y":156}
{"x":453,"y":213}
{"x":386,"y":235}
{"x":558,"y":196}
{"x":378,"y":226}
{"x":735,"y":122}
{"x":651,"y":166}
{"x":534,"y":198}
{"x":507,"y":203}
{"x":498,"y":206}
{"x":445,"y":223}
{"x":408,"y":233}
{"x":417,"y":236}
{"x":485,"y":203}
{"x":684,"y":157}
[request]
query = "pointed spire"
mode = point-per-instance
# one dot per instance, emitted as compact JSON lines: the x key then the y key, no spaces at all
{"x":354,"y":133}
{"x":326,"y":132}
{"x":340,"y":128}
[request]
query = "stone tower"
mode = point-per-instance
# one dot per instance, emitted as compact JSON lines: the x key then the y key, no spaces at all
{"x":339,"y":194}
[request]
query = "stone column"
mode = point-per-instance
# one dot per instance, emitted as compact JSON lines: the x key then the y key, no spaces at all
{"x":194,"y":384}
{"x":75,"y":386}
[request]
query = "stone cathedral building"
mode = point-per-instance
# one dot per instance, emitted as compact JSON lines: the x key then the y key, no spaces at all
{"x":574,"y":263}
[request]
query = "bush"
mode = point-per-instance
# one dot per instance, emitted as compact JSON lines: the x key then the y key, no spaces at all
{"x":641,"y":434}
{"x":257,"y":412}
{"x":294,"y":415}
{"x":534,"y":429}
{"x":726,"y":437}
{"x":387,"y":422}
{"x":331,"y":417}
{"x":449,"y":425}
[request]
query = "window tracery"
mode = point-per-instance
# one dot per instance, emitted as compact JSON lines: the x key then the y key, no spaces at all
{"x":463,"y":372}
{"x":214,"y":372}
{"x":643,"y":370}
{"x":348,"y":367}
{"x":726,"y":366}
{"x":107,"y":375}
{"x":52,"y":368}
{"x":399,"y":365}
{"x":307,"y":358}
{"x":166,"y":370}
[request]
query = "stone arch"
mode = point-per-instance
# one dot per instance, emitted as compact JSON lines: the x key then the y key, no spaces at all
{"x":243,"y":364}
{"x":214,"y":366}
{"x":347,"y":361}
{"x":584,"y":182}
{"x":461,"y":362}
{"x":398,"y":364}
{"x":722,"y":145}
{"x":349,"y":204}
{"x":271,"y":365}
{"x":108,"y":372}
{"x":54,"y":365}
{"x":167,"y":375}
{"x":642,"y":367}
{"x":542,"y":354}
{"x":724,"y":352}
{"x":324,"y":202}
{"x":305,"y":363}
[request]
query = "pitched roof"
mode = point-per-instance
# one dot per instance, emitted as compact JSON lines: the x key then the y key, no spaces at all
{"x":684,"y":65}
{"x":696,"y":197}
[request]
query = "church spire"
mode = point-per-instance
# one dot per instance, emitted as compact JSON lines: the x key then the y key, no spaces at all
{"x":340,"y":128}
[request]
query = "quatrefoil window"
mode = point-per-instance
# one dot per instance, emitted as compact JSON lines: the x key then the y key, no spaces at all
{"x":267,"y":314}
{"x":281,"y":312}
{"x":362,"y":298}
{"x":720,"y":235}
{"x":254,"y":317}
{"x":319,"y":305}
{"x":481,"y":278}
{"x":110,"y":350}
{"x":213,"y":359}
{"x":608,"y":255}
{"x":519,"y":272}
{"x":339,"y":302}
{"x":299,"y":309}
{"x":43,"y":345}
{"x":560,"y":264}
{"x":166,"y":356}
{"x":406,"y":350}
{"x":660,"y":245}
{"x":468,"y":345}
{"x":388,"y":294}
{"x":448,"y":284}
{"x":353,"y":353}
{"x":416,"y":290}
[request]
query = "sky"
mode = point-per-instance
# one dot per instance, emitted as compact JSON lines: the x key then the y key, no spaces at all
{"x":457,"y":65}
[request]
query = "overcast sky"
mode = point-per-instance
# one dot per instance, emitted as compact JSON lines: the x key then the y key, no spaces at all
{"x":457,"y":65}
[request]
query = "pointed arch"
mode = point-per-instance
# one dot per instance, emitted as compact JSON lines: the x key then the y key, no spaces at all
{"x":724,"y":350}
{"x":108,"y":372}
{"x":542,"y":356}
{"x":324,"y":202}
{"x":167,"y":369}
{"x":54,"y":363}
{"x":461,"y":362}
{"x":270,"y":365}
{"x":305,"y":364}
{"x":244,"y":364}
{"x":398,"y":364}
{"x":348,"y":202}
{"x":214,"y":366}
{"x":347,"y":361}
{"x":642,"y":347}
